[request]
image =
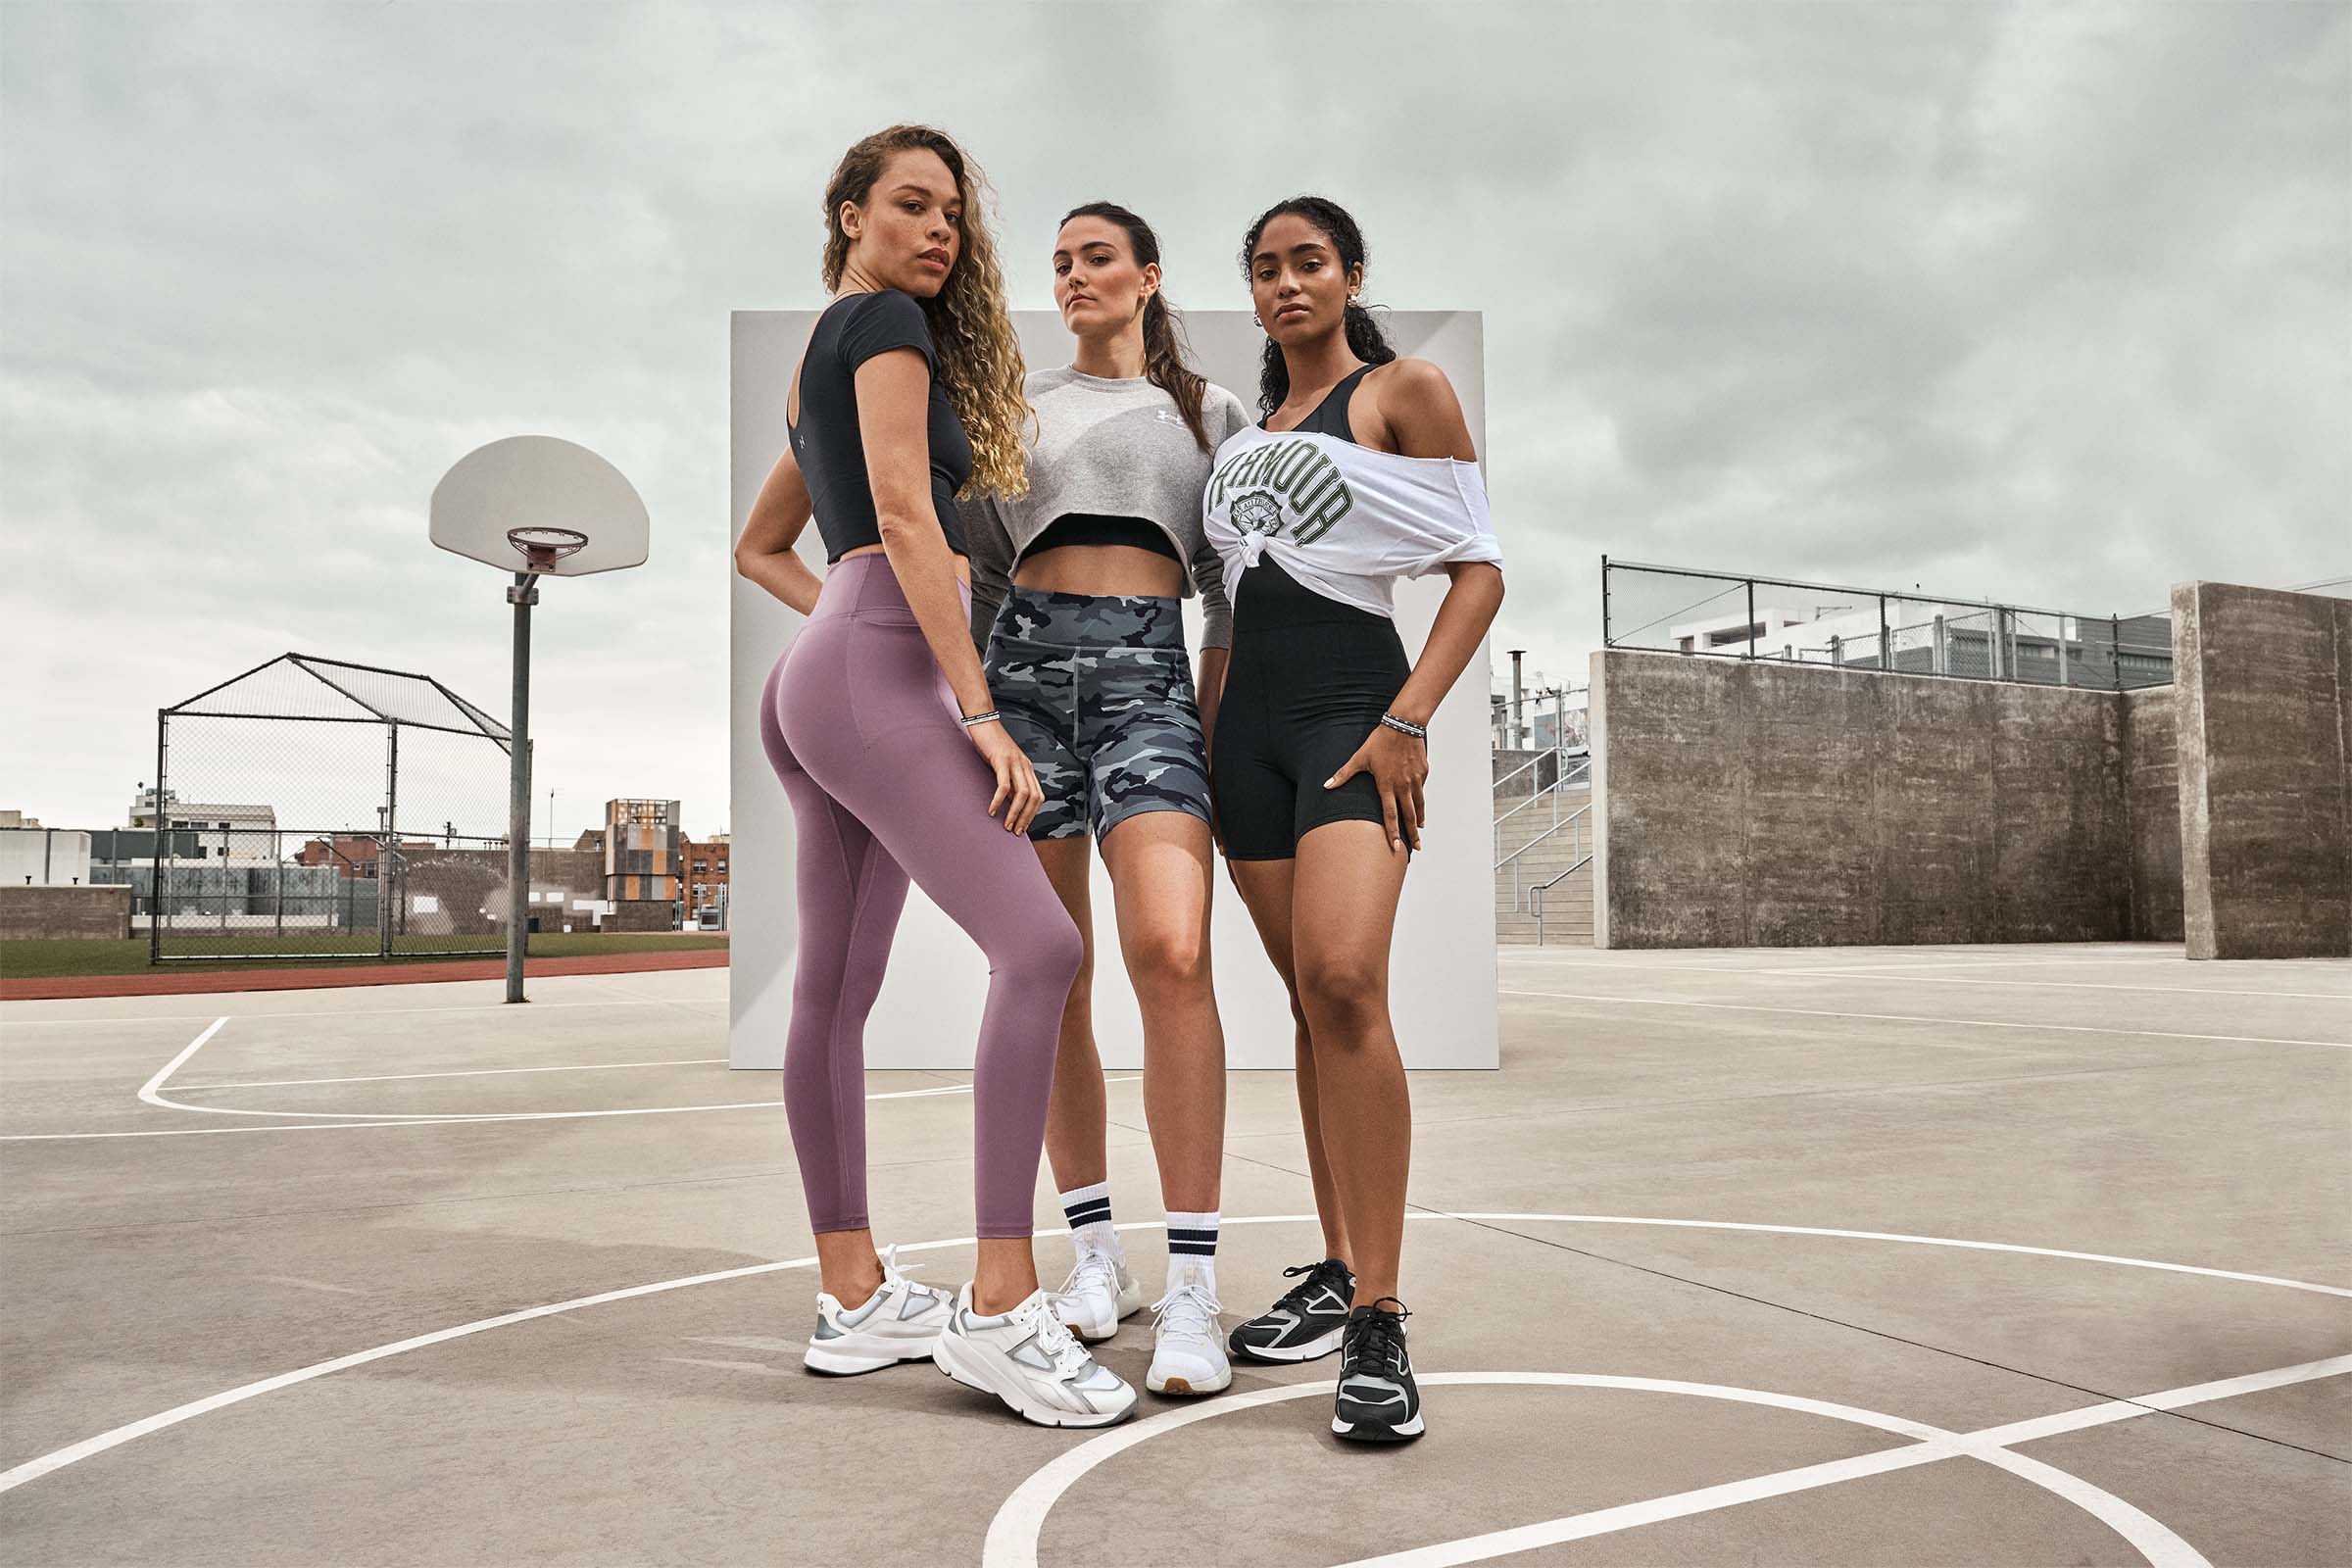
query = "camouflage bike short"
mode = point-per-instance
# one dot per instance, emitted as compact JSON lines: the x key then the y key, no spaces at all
{"x":1098,"y":691}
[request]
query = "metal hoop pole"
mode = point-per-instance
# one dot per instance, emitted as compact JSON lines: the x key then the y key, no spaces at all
{"x":523,"y":595}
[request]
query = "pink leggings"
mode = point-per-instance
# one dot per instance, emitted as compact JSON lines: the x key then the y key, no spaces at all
{"x":885,"y":785}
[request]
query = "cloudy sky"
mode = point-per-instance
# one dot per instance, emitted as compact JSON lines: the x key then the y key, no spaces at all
{"x":2047,"y":303}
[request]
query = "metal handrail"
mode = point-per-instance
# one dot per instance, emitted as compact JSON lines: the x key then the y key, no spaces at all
{"x":1573,"y":819}
{"x":1567,"y":776}
{"x":1539,"y":890}
{"x":1554,"y":751}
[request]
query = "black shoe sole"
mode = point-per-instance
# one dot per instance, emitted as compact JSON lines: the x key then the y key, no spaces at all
{"x":1375,"y":1432}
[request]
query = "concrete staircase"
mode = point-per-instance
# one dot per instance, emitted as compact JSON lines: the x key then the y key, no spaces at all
{"x":1568,"y":903}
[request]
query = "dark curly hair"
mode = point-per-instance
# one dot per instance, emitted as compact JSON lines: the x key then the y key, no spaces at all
{"x":1166,"y":359}
{"x":1365,"y":339}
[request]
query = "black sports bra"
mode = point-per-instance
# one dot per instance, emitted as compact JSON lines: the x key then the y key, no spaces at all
{"x":1331,"y":415}
{"x":1094,"y":529}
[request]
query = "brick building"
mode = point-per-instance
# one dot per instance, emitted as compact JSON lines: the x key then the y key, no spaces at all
{"x":705,"y":872}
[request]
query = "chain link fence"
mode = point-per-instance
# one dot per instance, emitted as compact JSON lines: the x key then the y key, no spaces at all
{"x":1670,"y":610}
{"x":314,"y":809}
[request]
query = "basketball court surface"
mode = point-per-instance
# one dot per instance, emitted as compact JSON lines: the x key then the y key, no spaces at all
{"x":2019,"y":1255}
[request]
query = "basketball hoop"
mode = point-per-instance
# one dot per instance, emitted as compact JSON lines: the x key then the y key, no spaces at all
{"x":535,"y":506}
{"x":541,"y":548}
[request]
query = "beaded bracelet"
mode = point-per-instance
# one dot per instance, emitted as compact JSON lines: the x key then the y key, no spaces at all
{"x":975,"y":720}
{"x":1419,"y":733}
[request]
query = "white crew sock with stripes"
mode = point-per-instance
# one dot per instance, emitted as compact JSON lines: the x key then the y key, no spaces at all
{"x":1193,"y":1248}
{"x":1088,"y":1210}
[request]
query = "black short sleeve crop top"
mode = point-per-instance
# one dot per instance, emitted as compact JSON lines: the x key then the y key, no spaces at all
{"x":826,"y":441}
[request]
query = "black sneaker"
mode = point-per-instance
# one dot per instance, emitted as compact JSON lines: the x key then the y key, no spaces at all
{"x":1377,"y":1400}
{"x":1305,"y":1323}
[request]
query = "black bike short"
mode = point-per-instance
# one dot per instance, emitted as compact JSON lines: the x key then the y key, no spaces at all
{"x":1307,"y":684}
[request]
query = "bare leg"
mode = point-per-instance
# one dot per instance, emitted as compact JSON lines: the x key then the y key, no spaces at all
{"x":849,"y":1270}
{"x":1265,"y":887}
{"x":1005,"y":1275}
{"x":1075,"y":1140}
{"x":1349,"y":877}
{"x":1160,"y":872}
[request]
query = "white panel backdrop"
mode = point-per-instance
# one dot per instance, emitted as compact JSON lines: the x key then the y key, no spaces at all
{"x":1443,"y":987}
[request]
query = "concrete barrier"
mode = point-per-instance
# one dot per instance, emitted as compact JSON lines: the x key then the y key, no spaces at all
{"x":2265,"y":683}
{"x":32,"y":914}
{"x":1765,"y":804}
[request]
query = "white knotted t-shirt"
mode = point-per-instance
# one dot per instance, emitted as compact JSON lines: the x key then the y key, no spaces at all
{"x":1345,"y":520}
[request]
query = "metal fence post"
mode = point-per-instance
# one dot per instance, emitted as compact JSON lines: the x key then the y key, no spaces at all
{"x":1885,"y":638}
{"x":2061,"y":673}
{"x":1752,"y":617}
{"x":1607,"y":640}
{"x":2114,"y":647}
{"x":384,"y":843}
{"x":1939,"y":650}
{"x":155,"y":891}
{"x":277,"y":861}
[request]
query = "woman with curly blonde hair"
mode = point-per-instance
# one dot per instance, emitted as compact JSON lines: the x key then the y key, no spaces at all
{"x":879,"y":725}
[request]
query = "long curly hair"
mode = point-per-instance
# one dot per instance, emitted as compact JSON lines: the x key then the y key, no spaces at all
{"x":1365,"y":338}
{"x":1168,"y":357}
{"x":979,"y":357}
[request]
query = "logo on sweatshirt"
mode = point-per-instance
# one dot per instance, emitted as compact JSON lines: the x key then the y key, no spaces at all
{"x":1284,"y":481}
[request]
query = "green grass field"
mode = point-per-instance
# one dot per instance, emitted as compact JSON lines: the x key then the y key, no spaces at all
{"x":41,"y":958}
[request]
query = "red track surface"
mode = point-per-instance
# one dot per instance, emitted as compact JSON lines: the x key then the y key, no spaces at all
{"x":180,"y":982}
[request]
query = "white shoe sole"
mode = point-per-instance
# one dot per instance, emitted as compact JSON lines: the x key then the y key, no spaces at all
{"x":1372,"y":1432}
{"x":972,"y":1374}
{"x":1180,"y":1387}
{"x":1320,"y":1345}
{"x":853,"y":1353}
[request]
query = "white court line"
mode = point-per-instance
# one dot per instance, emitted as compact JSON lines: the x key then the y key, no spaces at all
{"x":1946,"y":1023}
{"x":472,"y":1072}
{"x":1990,"y":1445}
{"x":329,"y":1122}
{"x":1012,"y":1535}
{"x":1906,"y":979}
{"x":34,"y":1469}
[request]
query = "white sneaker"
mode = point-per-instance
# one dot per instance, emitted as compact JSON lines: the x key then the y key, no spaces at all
{"x":1028,"y":1359}
{"x":1098,"y":1294}
{"x":902,"y":1322}
{"x":1188,"y":1346}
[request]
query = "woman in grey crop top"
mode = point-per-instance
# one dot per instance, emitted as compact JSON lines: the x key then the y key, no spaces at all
{"x":1086,"y":657}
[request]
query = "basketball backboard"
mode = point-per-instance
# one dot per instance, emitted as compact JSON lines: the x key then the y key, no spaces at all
{"x":539,"y":487}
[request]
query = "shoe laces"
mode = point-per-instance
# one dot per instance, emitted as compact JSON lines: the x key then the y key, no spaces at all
{"x":1329,"y":1271}
{"x":891,"y":1274}
{"x":1060,"y":1346}
{"x":1189,"y":1310}
{"x":1096,"y":1271}
{"x":1375,"y":1339}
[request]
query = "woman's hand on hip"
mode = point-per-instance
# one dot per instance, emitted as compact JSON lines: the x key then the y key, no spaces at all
{"x":1017,"y":790}
{"x":1399,"y":764}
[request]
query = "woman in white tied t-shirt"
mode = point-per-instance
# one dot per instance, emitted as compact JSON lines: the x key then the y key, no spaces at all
{"x":1362,"y":471}
{"x":1086,"y":658}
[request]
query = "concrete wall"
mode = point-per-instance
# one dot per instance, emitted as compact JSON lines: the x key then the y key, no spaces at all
{"x":2265,"y":681}
{"x":2152,"y":806}
{"x":34,"y":913}
{"x":1765,"y":804}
